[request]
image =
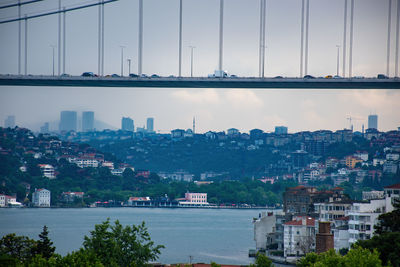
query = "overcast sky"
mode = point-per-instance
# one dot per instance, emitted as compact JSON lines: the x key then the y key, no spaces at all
{"x":214,"y":109}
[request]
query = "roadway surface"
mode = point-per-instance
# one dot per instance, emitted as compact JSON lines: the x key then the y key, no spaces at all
{"x":184,"y":82}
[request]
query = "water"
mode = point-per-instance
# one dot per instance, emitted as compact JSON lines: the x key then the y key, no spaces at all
{"x":223,"y":236}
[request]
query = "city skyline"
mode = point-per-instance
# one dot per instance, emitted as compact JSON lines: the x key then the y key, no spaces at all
{"x":83,"y":124}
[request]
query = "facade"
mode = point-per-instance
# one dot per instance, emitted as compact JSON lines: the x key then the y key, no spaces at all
{"x":9,"y":122}
{"x":127,"y":124}
{"x":86,"y":162}
{"x":340,"y":231}
{"x":281,"y":129}
{"x":150,"y":125}
{"x":41,"y":198}
{"x":87,"y":121}
{"x":373,"y":122}
{"x":264,"y":230}
{"x":363,"y":217}
{"x":45,"y":128}
{"x":368,"y":195}
{"x":299,"y":236}
{"x":2,"y":200}
{"x":47,"y":171}
{"x":351,"y":161}
{"x":68,"y":121}
{"x":194,"y":199}
{"x":330,"y":211}
{"x":72,"y":196}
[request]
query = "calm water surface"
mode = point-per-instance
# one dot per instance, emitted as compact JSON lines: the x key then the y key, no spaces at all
{"x":224,"y":236}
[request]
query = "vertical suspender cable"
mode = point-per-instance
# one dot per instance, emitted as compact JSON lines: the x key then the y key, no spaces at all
{"x":19,"y":37}
{"x":307,"y":29}
{"x":99,"y":44}
{"x":260,"y":45}
{"x":344,"y":38}
{"x":351,"y":39}
{"x":26,"y":45}
{"x":221,"y":34}
{"x":140,"y":47}
{"x":388,"y":39}
{"x":180,"y":39}
{"x":102,"y":38}
{"x":302,"y":39}
{"x":396,"y":62}
{"x":263,"y":39}
{"x":59,"y":38}
{"x":64,"y":41}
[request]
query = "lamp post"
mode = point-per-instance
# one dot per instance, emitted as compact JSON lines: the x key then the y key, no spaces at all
{"x":122,"y":60}
{"x":337,"y":63}
{"x":129,"y":66}
{"x":191,"y":60}
{"x":53,"y":47}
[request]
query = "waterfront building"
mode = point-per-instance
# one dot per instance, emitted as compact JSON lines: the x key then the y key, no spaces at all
{"x":70,"y":197}
{"x":299,"y":236}
{"x":368,"y":195}
{"x":2,"y":200}
{"x":264,"y":230}
{"x":87,"y":121}
{"x":194,"y":199}
{"x":139,"y":201}
{"x":373,"y":122}
{"x":330,"y":211}
{"x":41,"y":198}
{"x":127,"y":124}
{"x":340,"y":229}
{"x":68,"y":121}
{"x":47,"y":171}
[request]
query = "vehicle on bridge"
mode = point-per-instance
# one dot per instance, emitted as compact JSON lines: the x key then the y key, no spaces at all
{"x":88,"y":74}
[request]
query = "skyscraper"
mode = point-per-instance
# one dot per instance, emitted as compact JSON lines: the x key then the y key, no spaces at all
{"x":373,"y":122}
{"x":127,"y":124}
{"x":150,"y":125}
{"x":281,"y":129}
{"x":87,"y":121}
{"x":68,"y":121}
{"x":45,"y":128}
{"x":9,"y":122}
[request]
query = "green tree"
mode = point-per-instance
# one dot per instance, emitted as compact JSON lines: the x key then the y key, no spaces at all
{"x":115,"y":245}
{"x":262,"y":261}
{"x":44,"y":246}
{"x":81,"y":258}
{"x":17,"y":247}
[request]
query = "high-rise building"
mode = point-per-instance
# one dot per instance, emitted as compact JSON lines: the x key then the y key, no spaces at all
{"x":127,"y":124}
{"x":9,"y":122}
{"x":150,"y":125}
{"x":68,"y":121}
{"x":87,"y":121}
{"x":45,"y":128}
{"x":373,"y":122}
{"x":281,"y":129}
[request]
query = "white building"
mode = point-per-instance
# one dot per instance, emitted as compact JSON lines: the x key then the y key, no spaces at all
{"x":2,"y":200}
{"x":87,"y":162}
{"x":264,"y":229}
{"x":363,"y":217}
{"x":41,"y":198}
{"x":47,"y":171}
{"x":328,"y":212}
{"x":194,"y":199}
{"x":341,"y":235}
{"x":368,"y":195}
{"x":299,"y":236}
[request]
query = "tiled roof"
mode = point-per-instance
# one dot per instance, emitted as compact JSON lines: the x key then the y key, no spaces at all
{"x":393,"y":186}
{"x":310,"y":222}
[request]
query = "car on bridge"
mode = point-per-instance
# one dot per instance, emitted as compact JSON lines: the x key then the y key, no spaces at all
{"x":133,"y":75}
{"x":309,"y":77}
{"x":88,"y":74}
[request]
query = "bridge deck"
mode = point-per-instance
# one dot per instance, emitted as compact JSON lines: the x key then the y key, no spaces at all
{"x":272,"y":83}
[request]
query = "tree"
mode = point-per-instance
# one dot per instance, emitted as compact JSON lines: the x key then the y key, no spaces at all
{"x":44,"y":246}
{"x":17,"y":247}
{"x":121,"y":246}
{"x":389,"y":222}
{"x":262,"y":261}
{"x":357,"y":256}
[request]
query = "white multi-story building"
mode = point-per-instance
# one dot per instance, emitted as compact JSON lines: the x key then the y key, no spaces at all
{"x":2,"y":200}
{"x":47,"y":171}
{"x":87,"y":162}
{"x":368,"y":195}
{"x":195,"y":199}
{"x":299,"y":236}
{"x":340,"y":231}
{"x":328,"y":212}
{"x":363,"y":217}
{"x":41,"y":198}
{"x":264,"y":229}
